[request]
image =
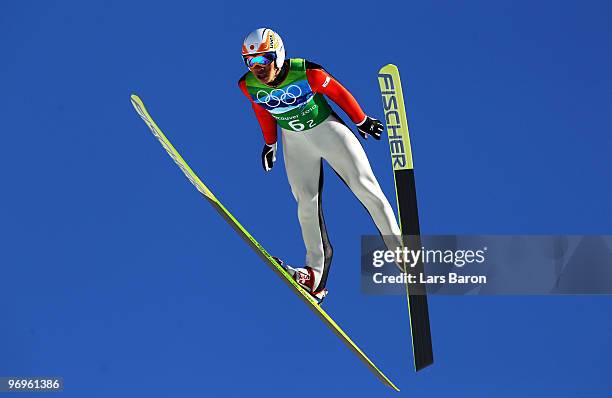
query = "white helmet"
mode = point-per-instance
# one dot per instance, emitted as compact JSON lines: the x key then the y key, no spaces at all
{"x":264,"y":40}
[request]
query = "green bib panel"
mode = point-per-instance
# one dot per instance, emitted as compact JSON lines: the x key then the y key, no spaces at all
{"x":293,"y":103}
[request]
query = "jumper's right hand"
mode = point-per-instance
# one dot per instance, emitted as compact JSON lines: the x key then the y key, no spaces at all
{"x":268,"y":156}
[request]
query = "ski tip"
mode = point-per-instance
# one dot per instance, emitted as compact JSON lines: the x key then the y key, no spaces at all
{"x":139,"y":106}
{"x":135,"y":99}
{"x":387,"y":68}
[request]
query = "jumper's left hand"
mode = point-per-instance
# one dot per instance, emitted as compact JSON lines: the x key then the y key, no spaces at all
{"x":370,"y":126}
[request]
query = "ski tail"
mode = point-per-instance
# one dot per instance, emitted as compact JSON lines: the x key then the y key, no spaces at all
{"x":405,"y":191}
{"x":254,"y":244}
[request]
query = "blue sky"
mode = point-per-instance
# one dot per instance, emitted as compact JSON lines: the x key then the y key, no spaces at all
{"x":119,"y":277}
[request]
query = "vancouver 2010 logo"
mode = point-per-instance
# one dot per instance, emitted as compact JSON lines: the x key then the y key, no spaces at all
{"x":278,"y":96}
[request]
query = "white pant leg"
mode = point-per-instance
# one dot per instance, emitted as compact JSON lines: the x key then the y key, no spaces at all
{"x":304,"y":172}
{"x":342,"y":150}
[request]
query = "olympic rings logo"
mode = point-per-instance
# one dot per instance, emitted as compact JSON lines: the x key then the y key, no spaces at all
{"x":279,"y":96}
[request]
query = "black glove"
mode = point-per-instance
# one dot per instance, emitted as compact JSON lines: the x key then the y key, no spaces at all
{"x":370,"y":126}
{"x":268,"y":156}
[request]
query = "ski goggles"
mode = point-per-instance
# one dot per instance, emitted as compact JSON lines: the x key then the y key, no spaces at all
{"x":261,"y":59}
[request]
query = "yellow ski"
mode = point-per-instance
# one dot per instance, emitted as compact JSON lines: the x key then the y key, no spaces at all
{"x":259,"y":250}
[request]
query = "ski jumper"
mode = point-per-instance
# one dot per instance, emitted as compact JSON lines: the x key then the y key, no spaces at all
{"x":311,"y":132}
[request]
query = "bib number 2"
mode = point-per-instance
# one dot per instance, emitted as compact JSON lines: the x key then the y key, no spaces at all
{"x":297,"y":125}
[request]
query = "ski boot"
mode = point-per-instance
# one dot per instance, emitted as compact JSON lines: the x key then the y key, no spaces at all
{"x":305,"y":278}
